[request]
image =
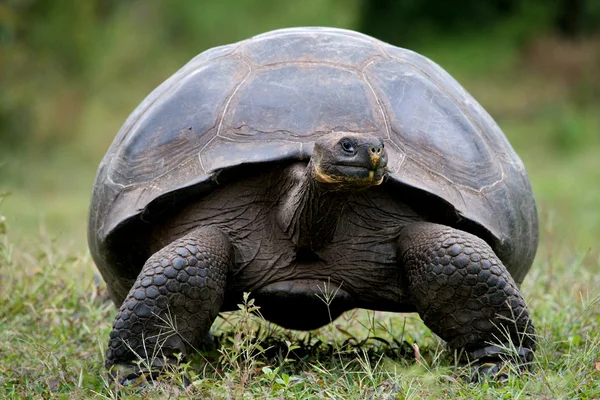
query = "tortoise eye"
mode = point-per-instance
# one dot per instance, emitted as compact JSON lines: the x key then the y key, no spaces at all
{"x":347,"y":146}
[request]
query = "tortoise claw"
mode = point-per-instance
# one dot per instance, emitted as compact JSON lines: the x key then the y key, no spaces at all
{"x":493,"y":370}
{"x":128,"y":375}
{"x":133,"y":376}
{"x":494,"y":362}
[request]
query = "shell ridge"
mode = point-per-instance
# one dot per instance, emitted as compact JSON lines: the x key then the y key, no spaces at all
{"x":311,"y":31}
{"x":377,"y":99}
{"x":225,"y":107}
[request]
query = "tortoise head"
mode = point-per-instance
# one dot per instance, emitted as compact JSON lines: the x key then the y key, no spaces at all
{"x":349,"y":160}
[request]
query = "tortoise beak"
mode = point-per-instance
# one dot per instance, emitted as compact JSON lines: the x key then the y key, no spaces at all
{"x":375,"y":153}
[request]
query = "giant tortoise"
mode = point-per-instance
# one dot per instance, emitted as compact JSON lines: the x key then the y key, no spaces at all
{"x":304,"y":160}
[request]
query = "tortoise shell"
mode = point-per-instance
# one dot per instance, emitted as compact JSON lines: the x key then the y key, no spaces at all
{"x":267,"y":99}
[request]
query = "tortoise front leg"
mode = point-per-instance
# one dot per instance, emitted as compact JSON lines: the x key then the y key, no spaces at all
{"x":172,"y":304}
{"x":466,"y":296}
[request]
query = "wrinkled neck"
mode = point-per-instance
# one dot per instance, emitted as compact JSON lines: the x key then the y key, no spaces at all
{"x":310,"y":210}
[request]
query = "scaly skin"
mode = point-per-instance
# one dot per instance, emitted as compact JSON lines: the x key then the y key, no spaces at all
{"x":465,"y":295}
{"x":183,"y":283}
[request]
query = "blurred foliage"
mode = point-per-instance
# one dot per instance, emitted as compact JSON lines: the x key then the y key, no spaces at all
{"x":407,"y":21}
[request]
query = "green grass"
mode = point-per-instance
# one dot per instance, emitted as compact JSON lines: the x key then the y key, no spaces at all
{"x":55,"y":319}
{"x":55,"y":316}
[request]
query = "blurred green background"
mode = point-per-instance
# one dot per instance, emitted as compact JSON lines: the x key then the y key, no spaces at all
{"x":71,"y":72}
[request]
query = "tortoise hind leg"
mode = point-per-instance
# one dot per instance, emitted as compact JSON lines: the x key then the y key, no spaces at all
{"x":466,"y":296}
{"x":172,"y":304}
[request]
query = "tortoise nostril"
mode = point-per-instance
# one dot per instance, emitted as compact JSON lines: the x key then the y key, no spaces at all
{"x":376,"y":150}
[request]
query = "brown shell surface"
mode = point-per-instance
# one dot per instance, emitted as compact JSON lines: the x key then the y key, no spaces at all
{"x":270,"y":97}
